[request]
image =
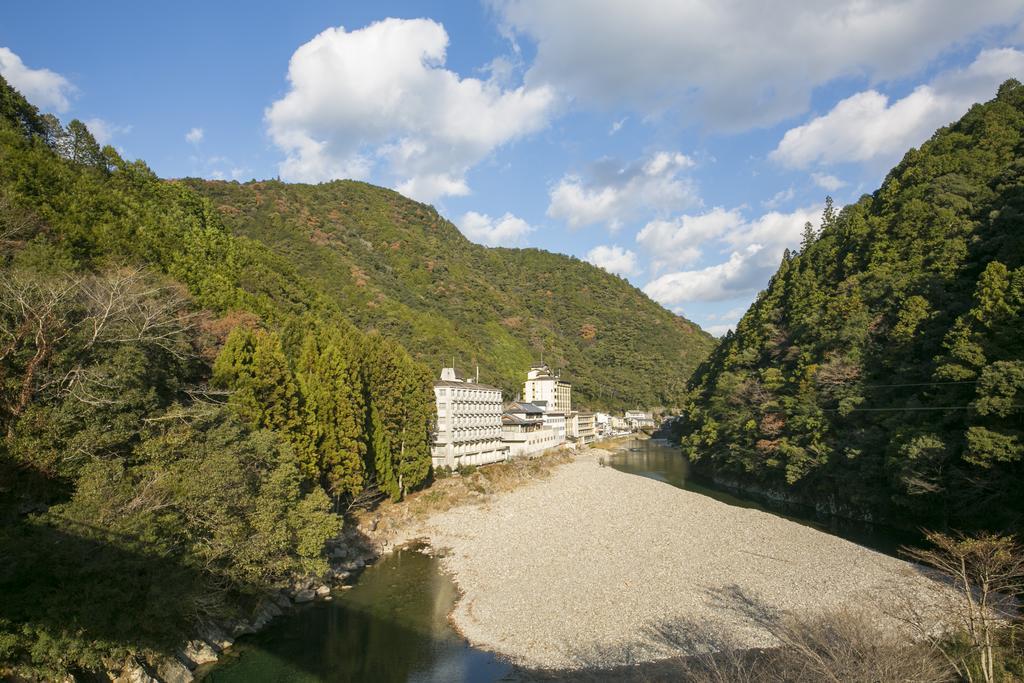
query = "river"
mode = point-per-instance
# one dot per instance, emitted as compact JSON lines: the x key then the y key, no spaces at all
{"x":392,"y":625}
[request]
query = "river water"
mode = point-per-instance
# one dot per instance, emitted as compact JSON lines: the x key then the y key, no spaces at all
{"x":392,"y":625}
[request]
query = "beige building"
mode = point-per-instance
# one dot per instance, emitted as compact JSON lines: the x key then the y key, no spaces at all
{"x":580,"y":428}
{"x":544,"y":387}
{"x":468,"y":423}
{"x":524,"y":431}
{"x":638,"y":419}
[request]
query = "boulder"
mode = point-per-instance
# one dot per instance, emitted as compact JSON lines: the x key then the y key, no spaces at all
{"x":170,"y":670}
{"x":240,"y":627}
{"x":271,"y":609}
{"x":322,"y":591}
{"x":134,"y":672}
{"x":197,"y":653}
{"x":282,"y":600}
{"x":305,"y":595}
{"x":216,"y":637}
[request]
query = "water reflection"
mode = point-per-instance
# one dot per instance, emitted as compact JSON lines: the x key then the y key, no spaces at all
{"x":391,"y":626}
{"x":657,"y":459}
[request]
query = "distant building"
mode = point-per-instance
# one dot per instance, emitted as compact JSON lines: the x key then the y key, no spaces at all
{"x":555,"y":421}
{"x":638,"y":419}
{"x":523,"y":430}
{"x":543,"y":386}
{"x":580,"y":427}
{"x":618,"y":424}
{"x":602,"y":424}
{"x":469,"y":426}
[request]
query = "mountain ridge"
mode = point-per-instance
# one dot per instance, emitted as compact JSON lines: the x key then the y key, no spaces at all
{"x":398,"y":266}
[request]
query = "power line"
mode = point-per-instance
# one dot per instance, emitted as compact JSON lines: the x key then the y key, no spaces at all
{"x":908,"y":384}
{"x":881,"y":410}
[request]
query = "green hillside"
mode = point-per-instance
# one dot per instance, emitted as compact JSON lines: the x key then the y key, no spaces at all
{"x":881,"y":373}
{"x":396,"y":266}
{"x":182,"y":413}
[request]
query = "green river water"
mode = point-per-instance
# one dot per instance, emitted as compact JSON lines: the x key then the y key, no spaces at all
{"x":392,"y":625}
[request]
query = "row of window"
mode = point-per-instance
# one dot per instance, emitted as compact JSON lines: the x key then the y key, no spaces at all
{"x":465,"y":407}
{"x":471,"y":394}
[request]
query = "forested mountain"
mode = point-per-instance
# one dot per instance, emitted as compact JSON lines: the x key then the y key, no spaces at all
{"x":394,"y":265}
{"x":187,"y":399}
{"x":181,"y":410}
{"x":882,"y":370}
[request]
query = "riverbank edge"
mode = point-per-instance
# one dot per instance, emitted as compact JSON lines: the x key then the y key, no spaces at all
{"x":368,"y":536}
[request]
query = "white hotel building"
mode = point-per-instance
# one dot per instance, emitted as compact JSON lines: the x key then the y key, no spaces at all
{"x":468,"y":423}
{"x":543,"y":387}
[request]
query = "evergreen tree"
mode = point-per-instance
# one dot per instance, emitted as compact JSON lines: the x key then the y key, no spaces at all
{"x":881,"y":370}
{"x":334,"y":412}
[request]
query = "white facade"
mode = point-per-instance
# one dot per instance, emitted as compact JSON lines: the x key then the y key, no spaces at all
{"x":468,"y":423}
{"x":639,"y":419}
{"x":524,"y":430}
{"x":542,"y":386}
{"x":555,"y":421}
{"x":583,"y":428}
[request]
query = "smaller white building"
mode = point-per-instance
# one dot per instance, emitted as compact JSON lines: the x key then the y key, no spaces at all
{"x":555,"y":421}
{"x":638,"y":419}
{"x":524,"y":432}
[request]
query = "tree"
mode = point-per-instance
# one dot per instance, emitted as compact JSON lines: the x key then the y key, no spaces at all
{"x":401,"y":401}
{"x":333,"y":409}
{"x":986,"y":572}
{"x":253,"y":367}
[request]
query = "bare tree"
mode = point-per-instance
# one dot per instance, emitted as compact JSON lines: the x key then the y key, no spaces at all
{"x":33,"y":318}
{"x":39,"y":317}
{"x":986,"y":572}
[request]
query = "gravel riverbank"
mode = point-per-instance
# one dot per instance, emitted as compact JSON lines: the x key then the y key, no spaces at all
{"x":592,"y":567}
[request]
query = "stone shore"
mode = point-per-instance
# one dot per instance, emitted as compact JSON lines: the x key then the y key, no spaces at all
{"x":592,"y":567}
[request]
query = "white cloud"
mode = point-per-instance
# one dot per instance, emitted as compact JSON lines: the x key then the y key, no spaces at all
{"x":733,"y":314}
{"x":779,"y":198}
{"x":617,"y":125}
{"x":733,"y":64}
{"x":867,"y":126}
{"x":507,"y":230}
{"x":194,"y":136}
{"x":614,"y":259}
{"x":381,"y":95}
{"x":714,"y":283}
{"x":44,"y":88}
{"x":755,"y":249}
{"x":719,"y":330}
{"x":105,"y":131}
{"x":827,"y":182}
{"x":678,"y":241}
{"x":613,"y":194}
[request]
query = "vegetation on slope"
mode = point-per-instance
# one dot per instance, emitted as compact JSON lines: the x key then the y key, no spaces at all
{"x":882,"y":370}
{"x":178,"y":407}
{"x":396,"y":266}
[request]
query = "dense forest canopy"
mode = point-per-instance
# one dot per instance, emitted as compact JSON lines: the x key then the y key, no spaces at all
{"x":881,"y":373}
{"x":182,"y":412}
{"x":396,"y":266}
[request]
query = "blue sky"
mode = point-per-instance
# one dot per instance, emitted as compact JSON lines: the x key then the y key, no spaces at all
{"x":679,"y":143}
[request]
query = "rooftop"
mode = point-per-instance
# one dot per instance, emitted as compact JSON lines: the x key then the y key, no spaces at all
{"x":521,"y":407}
{"x":464,"y":385}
